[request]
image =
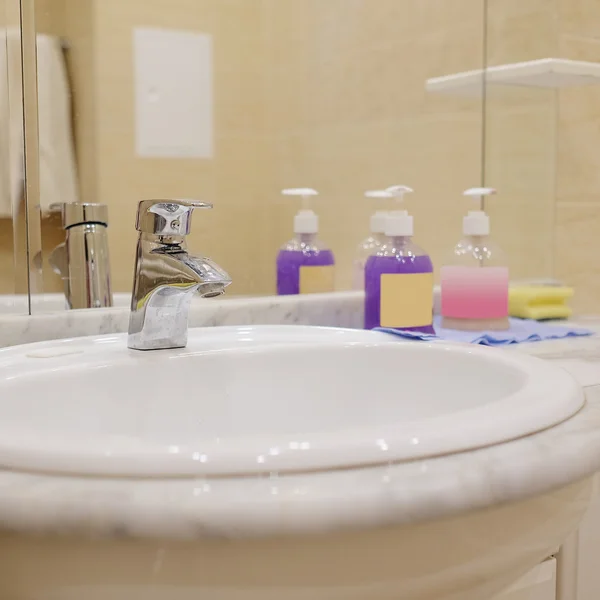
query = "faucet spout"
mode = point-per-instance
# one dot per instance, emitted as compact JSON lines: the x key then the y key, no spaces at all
{"x":166,"y":279}
{"x":212,"y":279}
{"x":82,"y":259}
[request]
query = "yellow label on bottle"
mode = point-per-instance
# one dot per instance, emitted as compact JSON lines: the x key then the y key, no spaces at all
{"x":406,"y":300}
{"x":316,"y":280}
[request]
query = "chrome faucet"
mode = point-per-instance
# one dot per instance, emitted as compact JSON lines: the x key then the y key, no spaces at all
{"x":166,"y":276}
{"x":82,"y":259}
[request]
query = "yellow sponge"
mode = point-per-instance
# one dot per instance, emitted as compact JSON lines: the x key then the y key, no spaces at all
{"x":539,"y":302}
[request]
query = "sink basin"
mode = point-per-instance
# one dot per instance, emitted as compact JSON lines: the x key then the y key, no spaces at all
{"x":246,"y":400}
{"x":285,"y":463}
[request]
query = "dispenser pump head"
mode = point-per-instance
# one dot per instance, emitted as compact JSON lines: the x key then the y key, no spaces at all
{"x":379,"y":216}
{"x":477,"y":222}
{"x":305,"y":221}
{"x":398,"y":223}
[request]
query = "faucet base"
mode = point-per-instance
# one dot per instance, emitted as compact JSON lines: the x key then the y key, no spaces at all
{"x":162,"y":322}
{"x":157,"y":345}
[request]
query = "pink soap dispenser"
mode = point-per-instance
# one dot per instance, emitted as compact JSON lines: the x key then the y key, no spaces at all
{"x":474,"y":281}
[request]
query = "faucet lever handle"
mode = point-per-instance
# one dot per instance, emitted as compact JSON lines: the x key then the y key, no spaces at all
{"x":167,"y":217}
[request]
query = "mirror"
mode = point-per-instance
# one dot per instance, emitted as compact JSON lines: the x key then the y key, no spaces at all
{"x":230,"y":101}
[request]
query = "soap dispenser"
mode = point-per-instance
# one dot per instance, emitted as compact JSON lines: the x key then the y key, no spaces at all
{"x":304,"y":264}
{"x":399,"y":277}
{"x":475,"y":280}
{"x":372,"y":243}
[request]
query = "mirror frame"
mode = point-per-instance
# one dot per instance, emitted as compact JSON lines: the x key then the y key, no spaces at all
{"x":31,"y":149}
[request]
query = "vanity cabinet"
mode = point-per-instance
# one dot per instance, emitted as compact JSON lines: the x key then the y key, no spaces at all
{"x":589,"y":550}
{"x":538,"y":584}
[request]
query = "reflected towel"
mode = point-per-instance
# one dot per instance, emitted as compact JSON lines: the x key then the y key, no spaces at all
{"x":521,"y":330}
{"x":11,"y":123}
{"x":58,"y":174}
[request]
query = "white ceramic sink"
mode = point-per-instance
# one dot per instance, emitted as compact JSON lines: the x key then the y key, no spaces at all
{"x":285,"y":463}
{"x":245,"y":400}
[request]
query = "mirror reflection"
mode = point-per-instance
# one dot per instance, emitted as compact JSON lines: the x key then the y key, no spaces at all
{"x":231,"y":102}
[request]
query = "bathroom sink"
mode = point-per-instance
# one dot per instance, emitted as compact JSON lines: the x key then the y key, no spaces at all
{"x":246,"y":400}
{"x":285,"y":463}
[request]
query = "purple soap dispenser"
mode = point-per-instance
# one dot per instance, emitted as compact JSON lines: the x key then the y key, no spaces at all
{"x":399,"y":277}
{"x":305,"y":265}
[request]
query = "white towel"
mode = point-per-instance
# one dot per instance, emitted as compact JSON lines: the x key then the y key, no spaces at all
{"x":11,"y":123}
{"x":58,"y":173}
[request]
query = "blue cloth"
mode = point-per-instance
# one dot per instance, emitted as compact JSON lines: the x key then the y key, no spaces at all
{"x":521,"y":330}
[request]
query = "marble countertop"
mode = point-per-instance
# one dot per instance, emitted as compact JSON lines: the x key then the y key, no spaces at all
{"x":339,"y":309}
{"x":189,"y":508}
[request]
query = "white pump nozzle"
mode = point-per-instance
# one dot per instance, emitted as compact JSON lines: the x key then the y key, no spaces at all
{"x":399,"y":223}
{"x":378,"y":194}
{"x":378,"y":218}
{"x":305,"y":221}
{"x":398,"y":191}
{"x":304,"y":193}
{"x":477,"y":222}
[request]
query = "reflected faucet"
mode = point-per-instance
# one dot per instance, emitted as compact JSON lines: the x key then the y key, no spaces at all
{"x":166,"y":277}
{"x":82,"y":260}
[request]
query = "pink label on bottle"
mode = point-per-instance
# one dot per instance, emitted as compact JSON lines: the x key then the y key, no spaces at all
{"x":474,"y":292}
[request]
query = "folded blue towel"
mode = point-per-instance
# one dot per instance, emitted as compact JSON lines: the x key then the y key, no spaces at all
{"x":521,"y":330}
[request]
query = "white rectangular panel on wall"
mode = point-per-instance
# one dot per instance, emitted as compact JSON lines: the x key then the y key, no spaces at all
{"x":173,"y":93}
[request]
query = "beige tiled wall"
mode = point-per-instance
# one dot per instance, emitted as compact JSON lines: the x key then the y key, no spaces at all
{"x":541,"y":148}
{"x":331,"y":95}
{"x":578,"y":175}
